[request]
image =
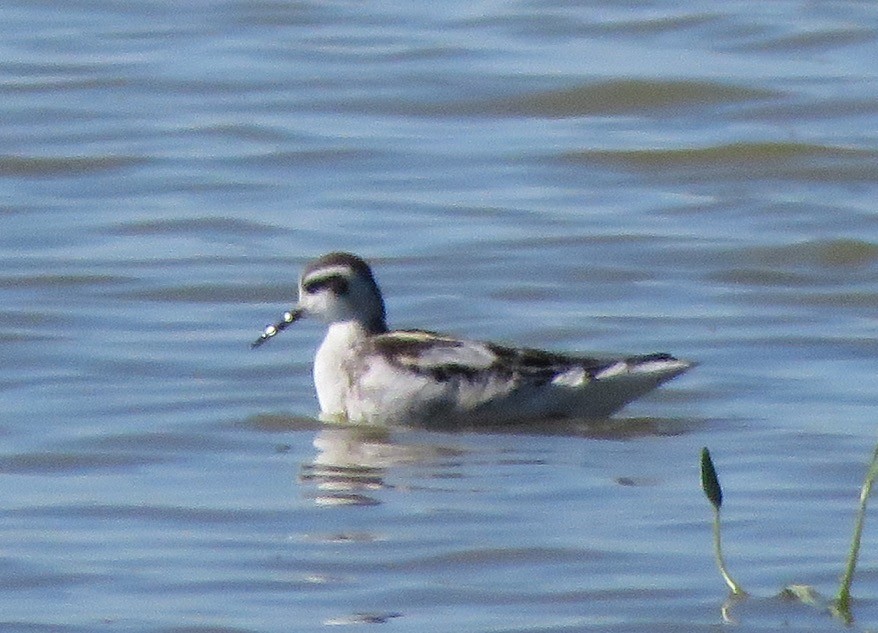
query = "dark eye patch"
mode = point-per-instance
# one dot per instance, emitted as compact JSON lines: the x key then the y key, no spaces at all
{"x":336,"y":283}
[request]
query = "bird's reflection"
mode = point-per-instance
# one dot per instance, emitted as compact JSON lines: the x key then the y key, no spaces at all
{"x":351,"y":462}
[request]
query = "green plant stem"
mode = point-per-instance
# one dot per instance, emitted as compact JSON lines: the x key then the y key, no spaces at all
{"x":843,"y":599}
{"x":720,"y":561}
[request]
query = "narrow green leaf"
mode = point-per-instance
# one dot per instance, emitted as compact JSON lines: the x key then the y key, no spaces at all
{"x":843,"y":598}
{"x":709,"y":480}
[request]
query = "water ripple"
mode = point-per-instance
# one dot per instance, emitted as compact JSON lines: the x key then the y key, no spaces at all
{"x":625,"y":97}
{"x":64,"y":167}
{"x":730,"y":161}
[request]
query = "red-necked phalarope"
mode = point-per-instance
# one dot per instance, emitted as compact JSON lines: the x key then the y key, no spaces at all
{"x":364,"y":372}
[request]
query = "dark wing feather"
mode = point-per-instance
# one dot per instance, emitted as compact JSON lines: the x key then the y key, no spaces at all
{"x":432,"y":354}
{"x":444,"y":358}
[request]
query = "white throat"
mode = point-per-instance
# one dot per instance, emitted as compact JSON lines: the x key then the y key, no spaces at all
{"x":330,"y":378}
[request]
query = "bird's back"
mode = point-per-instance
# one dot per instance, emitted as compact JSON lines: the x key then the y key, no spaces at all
{"x":419,"y":377}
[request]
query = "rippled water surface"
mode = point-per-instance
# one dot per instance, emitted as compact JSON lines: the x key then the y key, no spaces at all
{"x":698,"y":178}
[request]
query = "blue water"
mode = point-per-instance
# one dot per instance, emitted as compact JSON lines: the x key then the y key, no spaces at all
{"x":610,"y":177}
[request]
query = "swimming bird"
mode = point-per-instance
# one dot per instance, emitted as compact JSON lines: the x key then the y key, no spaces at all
{"x":367,"y":373}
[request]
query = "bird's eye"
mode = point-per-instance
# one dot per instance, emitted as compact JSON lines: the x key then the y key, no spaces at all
{"x":336,"y":283}
{"x":339,"y":285}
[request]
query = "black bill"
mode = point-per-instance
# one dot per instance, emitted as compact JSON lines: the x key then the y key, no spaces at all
{"x":271,"y":330}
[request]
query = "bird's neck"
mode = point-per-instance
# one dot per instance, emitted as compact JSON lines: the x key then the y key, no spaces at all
{"x":375,"y":325}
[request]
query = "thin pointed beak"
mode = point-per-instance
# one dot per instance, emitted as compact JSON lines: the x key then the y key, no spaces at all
{"x":289,"y":318}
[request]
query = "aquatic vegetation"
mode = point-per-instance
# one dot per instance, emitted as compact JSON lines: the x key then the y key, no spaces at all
{"x":840,"y":606}
{"x":711,"y":487}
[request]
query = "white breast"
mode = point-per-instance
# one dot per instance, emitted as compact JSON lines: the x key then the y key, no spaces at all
{"x":330,"y":381}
